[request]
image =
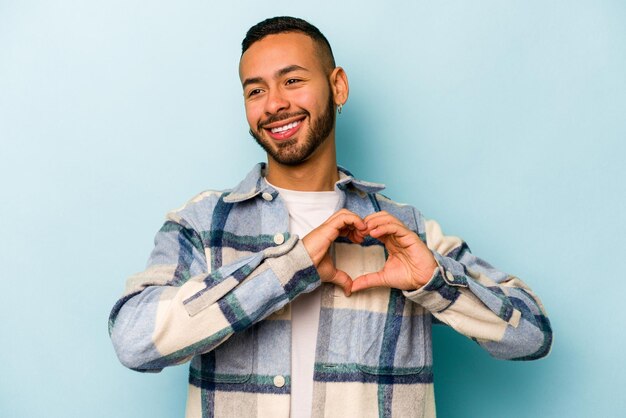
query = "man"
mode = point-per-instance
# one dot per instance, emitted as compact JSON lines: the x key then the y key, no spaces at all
{"x":303,"y":291}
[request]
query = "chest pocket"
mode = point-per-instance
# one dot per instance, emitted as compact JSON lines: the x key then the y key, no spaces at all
{"x":396,"y":342}
{"x":231,"y":362}
{"x":393,"y":333}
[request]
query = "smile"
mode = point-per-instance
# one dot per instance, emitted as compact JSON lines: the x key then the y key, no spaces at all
{"x":286,"y":127}
{"x":282,"y":132}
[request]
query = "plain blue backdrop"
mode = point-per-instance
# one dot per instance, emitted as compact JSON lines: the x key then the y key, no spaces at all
{"x":503,"y":120}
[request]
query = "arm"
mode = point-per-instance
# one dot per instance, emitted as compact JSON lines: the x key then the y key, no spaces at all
{"x":495,"y":309}
{"x":175,"y":309}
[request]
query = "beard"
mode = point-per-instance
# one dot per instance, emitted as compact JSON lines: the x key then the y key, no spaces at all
{"x":288,"y":152}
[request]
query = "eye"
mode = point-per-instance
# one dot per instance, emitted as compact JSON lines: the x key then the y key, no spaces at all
{"x":292,"y":81}
{"x":254,"y":92}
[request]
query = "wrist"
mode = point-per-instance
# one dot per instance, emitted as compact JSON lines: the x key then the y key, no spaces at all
{"x":309,"y":246}
{"x":426,"y":273}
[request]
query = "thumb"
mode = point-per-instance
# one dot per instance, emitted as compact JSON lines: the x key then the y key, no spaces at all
{"x":341,"y":279}
{"x":367,"y":281}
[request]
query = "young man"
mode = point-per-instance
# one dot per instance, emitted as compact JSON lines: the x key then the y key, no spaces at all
{"x":303,"y":291}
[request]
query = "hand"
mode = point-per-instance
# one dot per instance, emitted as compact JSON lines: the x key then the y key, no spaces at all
{"x":409,"y":265}
{"x":318,"y":241}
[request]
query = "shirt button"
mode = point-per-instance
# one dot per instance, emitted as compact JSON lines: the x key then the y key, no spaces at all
{"x":279,"y":381}
{"x":450,"y":276}
{"x":267,"y":196}
{"x":279,"y":238}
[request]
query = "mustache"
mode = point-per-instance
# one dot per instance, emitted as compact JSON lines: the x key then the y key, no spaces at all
{"x":280,"y":116}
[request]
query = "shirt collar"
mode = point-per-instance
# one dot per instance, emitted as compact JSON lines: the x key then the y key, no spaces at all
{"x":255,"y":183}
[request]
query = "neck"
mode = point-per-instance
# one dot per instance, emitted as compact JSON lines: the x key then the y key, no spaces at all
{"x":317,"y":174}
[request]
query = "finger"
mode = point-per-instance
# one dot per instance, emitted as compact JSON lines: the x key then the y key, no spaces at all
{"x":319,"y":240}
{"x":338,"y":224}
{"x":383,"y":218}
{"x":340,"y":213}
{"x":388,"y":229}
{"x":380,"y":214}
{"x":342,"y":280}
{"x":376,"y":214}
{"x":377,"y":223}
{"x":368,"y":280}
{"x":344,"y":218}
{"x":403,"y":236}
{"x":341,"y":225}
{"x":356,"y":236}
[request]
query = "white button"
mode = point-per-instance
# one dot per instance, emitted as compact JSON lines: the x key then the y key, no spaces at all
{"x":450,"y":276}
{"x":279,"y":381}
{"x":279,"y":238}
{"x":267,"y":196}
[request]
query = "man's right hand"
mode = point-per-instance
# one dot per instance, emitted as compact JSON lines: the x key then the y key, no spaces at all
{"x":318,"y":241}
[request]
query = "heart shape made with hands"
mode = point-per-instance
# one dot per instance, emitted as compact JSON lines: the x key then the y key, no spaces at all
{"x":409,"y":265}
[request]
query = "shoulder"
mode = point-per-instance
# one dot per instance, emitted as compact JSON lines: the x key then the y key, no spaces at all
{"x":198,"y":210}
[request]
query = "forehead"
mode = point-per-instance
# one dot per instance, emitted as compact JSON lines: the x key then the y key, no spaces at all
{"x":279,"y":51}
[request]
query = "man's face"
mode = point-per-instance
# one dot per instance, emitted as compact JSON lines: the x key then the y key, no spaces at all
{"x":288,"y":99}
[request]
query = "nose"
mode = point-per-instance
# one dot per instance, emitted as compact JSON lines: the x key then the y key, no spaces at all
{"x":276,"y":102}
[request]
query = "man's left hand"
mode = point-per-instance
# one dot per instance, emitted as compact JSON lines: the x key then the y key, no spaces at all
{"x":409,"y":265}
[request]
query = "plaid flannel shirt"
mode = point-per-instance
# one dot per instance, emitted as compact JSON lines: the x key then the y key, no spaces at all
{"x":217,"y":288}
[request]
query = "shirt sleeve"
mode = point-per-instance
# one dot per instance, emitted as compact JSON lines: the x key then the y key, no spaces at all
{"x":497,"y":310}
{"x":176,"y":308}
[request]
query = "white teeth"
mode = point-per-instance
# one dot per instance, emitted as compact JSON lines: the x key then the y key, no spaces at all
{"x":286,"y":127}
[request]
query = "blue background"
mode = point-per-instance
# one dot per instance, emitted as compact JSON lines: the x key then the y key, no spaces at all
{"x":503,"y":120}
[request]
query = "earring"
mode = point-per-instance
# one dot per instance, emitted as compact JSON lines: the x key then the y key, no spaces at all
{"x":339,"y":107}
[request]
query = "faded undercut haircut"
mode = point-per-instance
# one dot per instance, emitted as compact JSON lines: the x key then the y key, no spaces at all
{"x":287,"y":24}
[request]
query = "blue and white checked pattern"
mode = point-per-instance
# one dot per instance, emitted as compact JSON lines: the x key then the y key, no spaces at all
{"x":217,"y":288}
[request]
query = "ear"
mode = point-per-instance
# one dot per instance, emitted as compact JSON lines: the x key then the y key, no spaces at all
{"x":339,"y":85}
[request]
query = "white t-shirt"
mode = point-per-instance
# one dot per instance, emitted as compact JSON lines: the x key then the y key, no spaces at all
{"x":307,"y":211}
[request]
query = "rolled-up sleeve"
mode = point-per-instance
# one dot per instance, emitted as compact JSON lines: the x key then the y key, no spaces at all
{"x":176,"y":308}
{"x":497,"y":310}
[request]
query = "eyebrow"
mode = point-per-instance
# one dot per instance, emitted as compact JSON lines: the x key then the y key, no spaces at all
{"x":278,"y":74}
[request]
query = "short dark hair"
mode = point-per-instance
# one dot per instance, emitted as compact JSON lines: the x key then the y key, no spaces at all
{"x":287,"y":24}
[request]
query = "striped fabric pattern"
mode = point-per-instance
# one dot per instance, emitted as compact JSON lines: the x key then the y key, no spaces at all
{"x":217,"y":291}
